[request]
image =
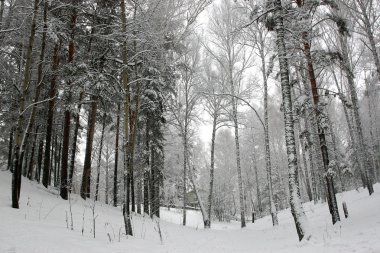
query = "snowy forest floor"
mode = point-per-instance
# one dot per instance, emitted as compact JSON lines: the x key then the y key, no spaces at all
{"x":40,"y":226}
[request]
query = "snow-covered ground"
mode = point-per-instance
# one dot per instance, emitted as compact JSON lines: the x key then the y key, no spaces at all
{"x":40,"y":226}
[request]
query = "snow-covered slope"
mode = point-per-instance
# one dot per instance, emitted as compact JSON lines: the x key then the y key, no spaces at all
{"x":40,"y":226}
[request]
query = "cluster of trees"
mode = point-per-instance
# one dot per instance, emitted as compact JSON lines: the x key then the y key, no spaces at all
{"x":137,"y":77}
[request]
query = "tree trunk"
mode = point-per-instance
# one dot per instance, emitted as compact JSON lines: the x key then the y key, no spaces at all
{"x":86,"y":177}
{"x":363,"y":152}
{"x":116,"y":156}
{"x":50,"y":115}
{"x":107,"y":176}
{"x":100,"y":157}
{"x":39,"y":161}
{"x":237,"y":151}
{"x":185,"y":153}
{"x":333,"y":206}
{"x":31,"y":161}
{"x":295,"y":200}
{"x":66,"y":127}
{"x":10,"y":150}
{"x":138,"y":196}
{"x":375,"y":162}
{"x":39,"y":83}
{"x":1,"y":13}
{"x":203,"y":209}
{"x":207,"y":222}
{"x":75,"y":139}
{"x":336,"y":155}
{"x":146,"y":192}
{"x":351,"y":133}
{"x":19,"y":141}
{"x":127,"y":219}
{"x":268,"y":165}
{"x":55,"y":160}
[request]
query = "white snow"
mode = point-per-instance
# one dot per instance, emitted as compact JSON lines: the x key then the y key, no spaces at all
{"x":40,"y":226}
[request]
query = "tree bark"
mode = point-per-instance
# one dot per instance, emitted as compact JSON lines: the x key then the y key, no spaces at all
{"x":19,"y":141}
{"x":184,"y":177}
{"x":207,"y":222}
{"x":67,"y":121}
{"x":50,"y":115}
{"x":116,"y":156}
{"x":268,"y":165}
{"x":10,"y":150}
{"x":125,"y":85}
{"x":75,"y":139}
{"x":237,"y":151}
{"x":32,"y":160}
{"x":375,"y":161}
{"x":39,"y":161}
{"x":295,"y":200}
{"x":363,"y":152}
{"x":258,"y":194}
{"x":86,"y":177}
{"x":100,"y":157}
{"x":333,"y":206}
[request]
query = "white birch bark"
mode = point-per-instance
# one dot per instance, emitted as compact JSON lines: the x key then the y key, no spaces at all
{"x":295,"y":200}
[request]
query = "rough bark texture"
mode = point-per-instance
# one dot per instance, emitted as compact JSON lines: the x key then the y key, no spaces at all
{"x":268,"y":164}
{"x":364,"y":158}
{"x":333,"y":206}
{"x":125,"y":85}
{"x":336,"y":153}
{"x":67,"y":123}
{"x":19,"y":140}
{"x":32,"y":160}
{"x":86,"y":177}
{"x":50,"y":116}
{"x":74,"y":143}
{"x":207,"y":222}
{"x":237,"y":146}
{"x":375,"y":161}
{"x":295,"y":200}
{"x":10,"y":150}
{"x":39,"y":161}
{"x":116,"y":156}
{"x":100,"y":157}
{"x":184,"y":178}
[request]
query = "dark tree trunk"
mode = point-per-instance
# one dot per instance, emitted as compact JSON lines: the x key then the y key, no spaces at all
{"x":39,"y":161}
{"x":50,"y":116}
{"x":333,"y":206}
{"x":86,"y":178}
{"x":146,"y":192}
{"x":126,"y":211}
{"x":10,"y":149}
{"x":152,"y":183}
{"x":75,"y":139}
{"x":58,"y":160}
{"x":100,"y":157}
{"x":52,"y":147}
{"x":67,"y":123}
{"x":20,"y":137}
{"x":55,"y":160}
{"x":138,"y":196}
{"x":147,"y":178}
{"x":258,"y":194}
{"x":116,"y":156}
{"x":31,"y":161}
{"x":207,"y":222}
